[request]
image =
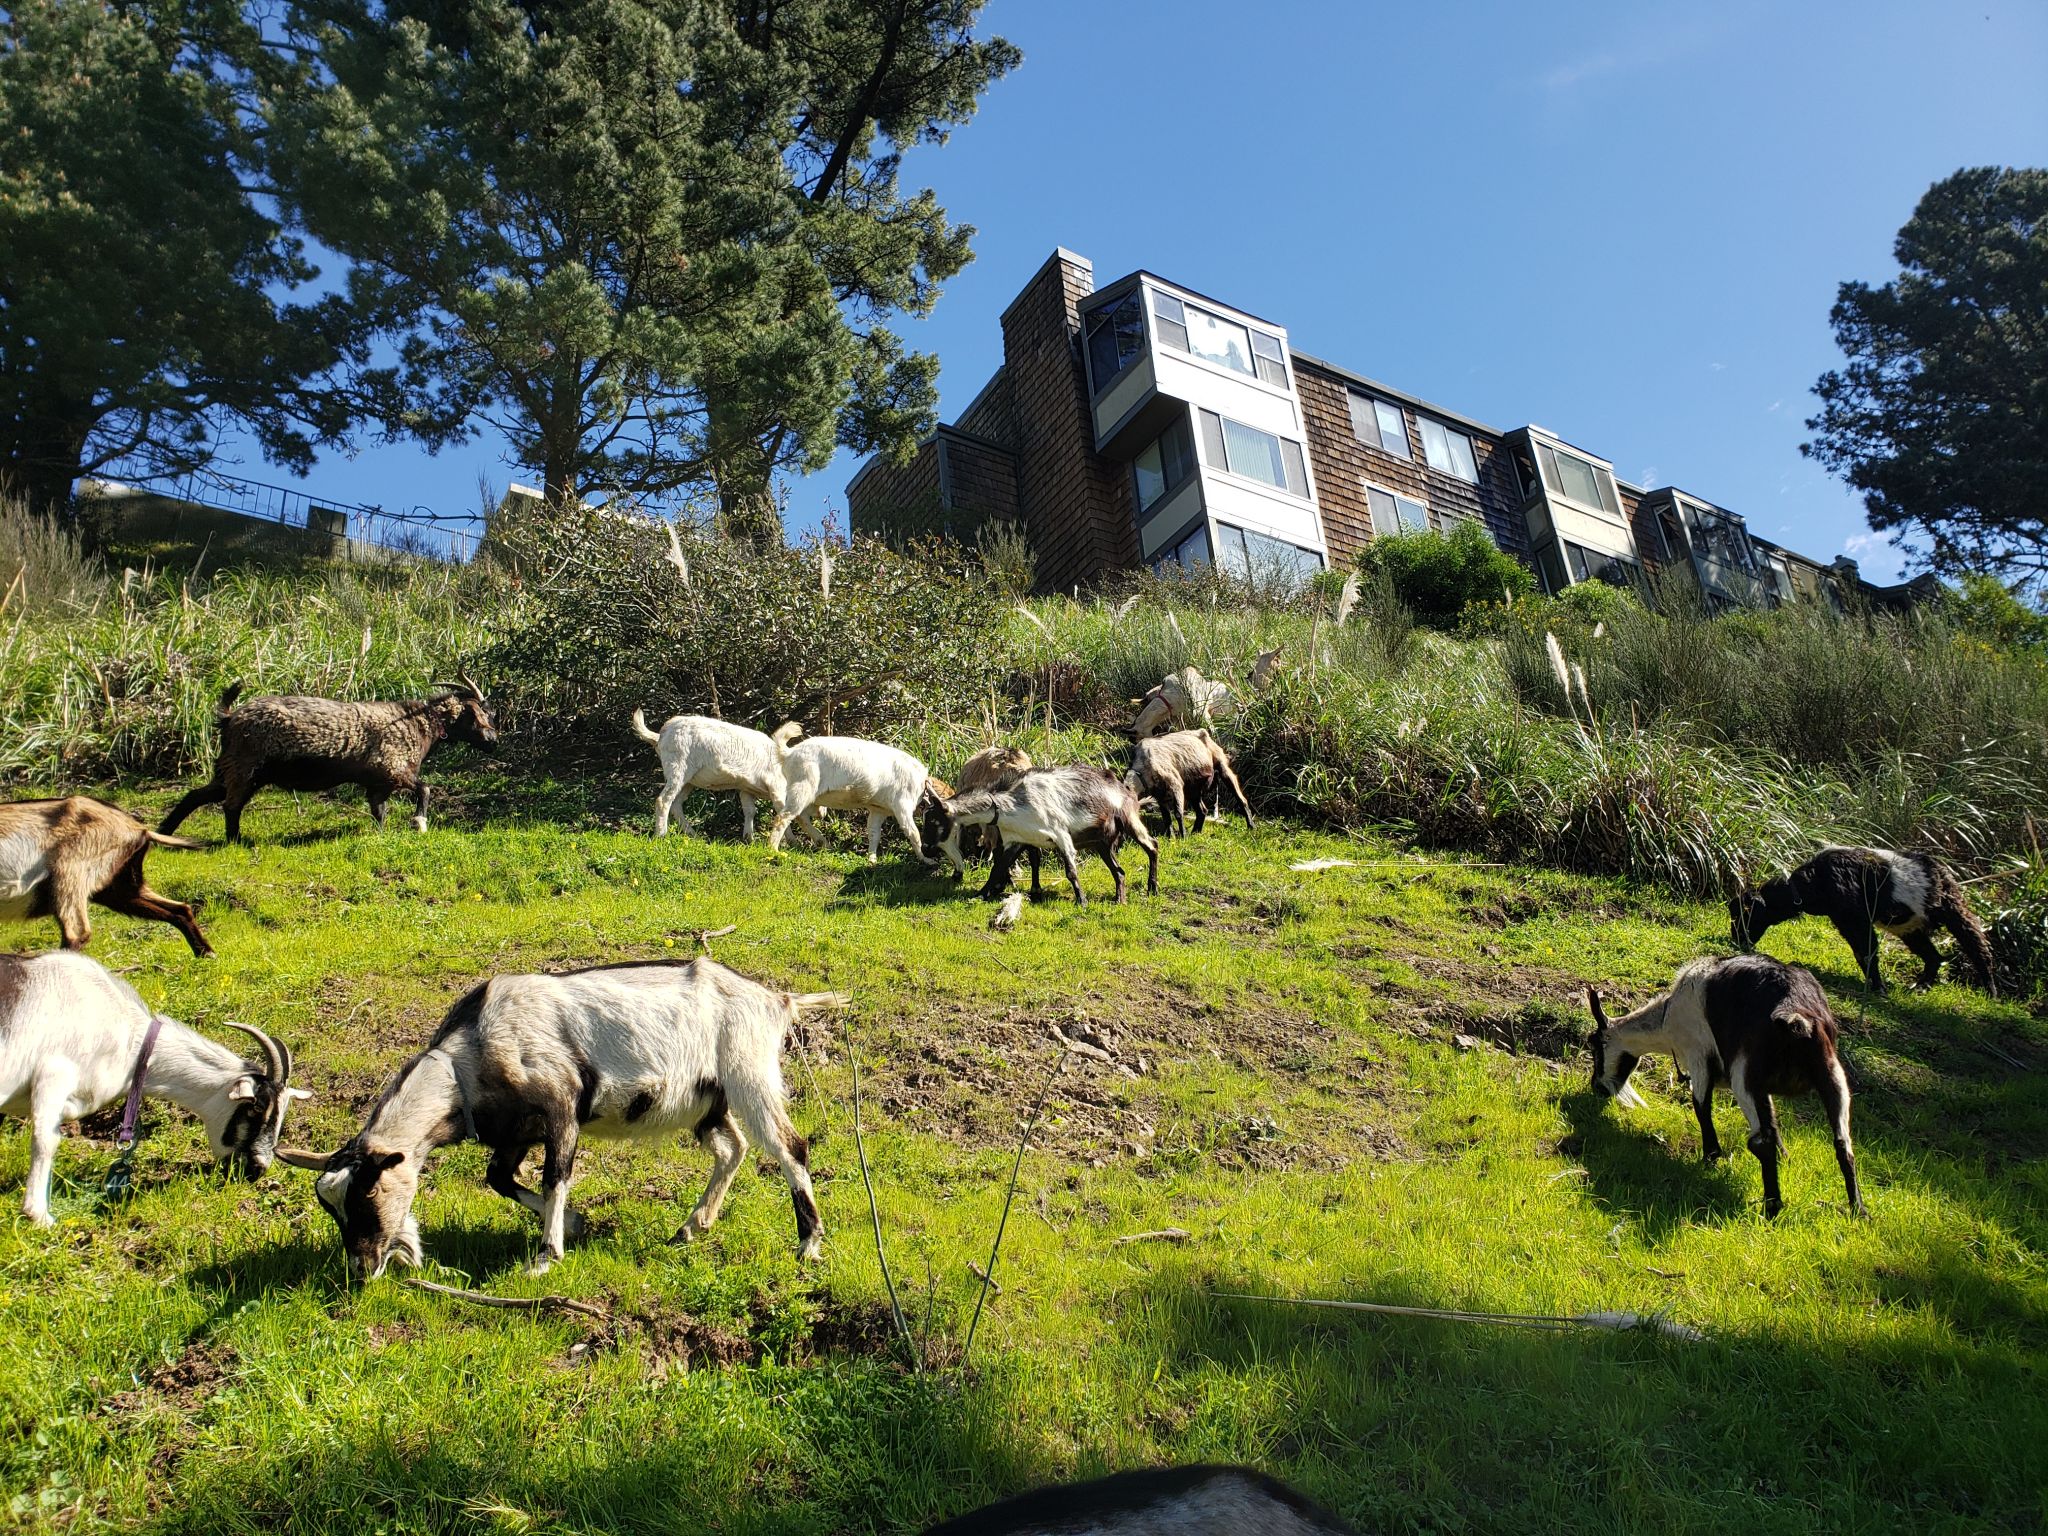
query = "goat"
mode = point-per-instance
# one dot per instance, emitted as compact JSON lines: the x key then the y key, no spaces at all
{"x":295,"y":742}
{"x":58,"y":855}
{"x":1166,"y":767}
{"x":1748,"y":1021}
{"x":698,"y":752}
{"x":1182,"y":701}
{"x":639,"y":1050}
{"x":1862,"y":891}
{"x":1166,"y":1501}
{"x":990,"y":768}
{"x":71,"y":1036}
{"x":846,"y":773}
{"x":1058,"y":808}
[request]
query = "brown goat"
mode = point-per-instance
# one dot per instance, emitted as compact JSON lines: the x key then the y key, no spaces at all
{"x":1174,"y":767}
{"x":295,"y":742}
{"x":58,"y":855}
{"x":990,"y":768}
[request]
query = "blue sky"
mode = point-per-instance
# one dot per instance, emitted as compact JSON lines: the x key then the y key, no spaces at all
{"x":1624,"y":222}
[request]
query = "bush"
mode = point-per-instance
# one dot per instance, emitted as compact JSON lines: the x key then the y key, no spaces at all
{"x":605,"y":622}
{"x":2018,"y":930}
{"x":42,"y":564}
{"x":1437,"y":577}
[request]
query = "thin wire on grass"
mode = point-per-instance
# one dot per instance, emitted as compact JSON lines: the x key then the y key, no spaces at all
{"x":875,"y":1211}
{"x":996,"y":1248}
{"x":1619,"y":1322}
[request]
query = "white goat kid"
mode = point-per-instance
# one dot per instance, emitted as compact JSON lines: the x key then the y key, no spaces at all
{"x":698,"y":752}
{"x":846,"y":773}
{"x":71,"y":1035}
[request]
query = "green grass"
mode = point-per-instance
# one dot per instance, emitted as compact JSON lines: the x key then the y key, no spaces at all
{"x":195,"y":1360}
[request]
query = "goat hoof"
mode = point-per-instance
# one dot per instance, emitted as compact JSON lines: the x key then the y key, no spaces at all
{"x":540,"y":1266}
{"x":811,"y":1250}
{"x":419,"y":823}
{"x":41,"y":1219}
{"x":686,"y":1234}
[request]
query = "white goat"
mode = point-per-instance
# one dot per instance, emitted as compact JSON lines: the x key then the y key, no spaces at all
{"x":698,"y":752}
{"x":639,"y":1050}
{"x":846,"y":773}
{"x":71,"y":1036}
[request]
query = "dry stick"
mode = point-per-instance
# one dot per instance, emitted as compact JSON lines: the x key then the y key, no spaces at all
{"x":996,"y":1248}
{"x":706,"y":935}
{"x":513,"y":1303}
{"x":875,"y":1211}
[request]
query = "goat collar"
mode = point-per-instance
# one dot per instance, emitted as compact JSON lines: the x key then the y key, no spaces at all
{"x":131,"y":1114}
{"x":461,"y":1097}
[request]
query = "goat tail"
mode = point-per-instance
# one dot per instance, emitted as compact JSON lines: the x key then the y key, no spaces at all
{"x":785,"y":734}
{"x":228,"y":695}
{"x":640,"y":728}
{"x":1794,"y":1022}
{"x":819,"y":1002}
{"x":165,"y":840}
{"x":1962,"y":922}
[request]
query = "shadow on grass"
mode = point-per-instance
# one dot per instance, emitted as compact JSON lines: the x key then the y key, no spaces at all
{"x":905,"y":884}
{"x":1634,"y":1172}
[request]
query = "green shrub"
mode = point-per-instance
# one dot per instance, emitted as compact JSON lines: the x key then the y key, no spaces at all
{"x":2018,"y":930}
{"x":1438,"y":576}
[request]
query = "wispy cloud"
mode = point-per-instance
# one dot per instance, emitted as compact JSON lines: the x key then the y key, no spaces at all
{"x":1862,"y":544}
{"x":1774,"y":405}
{"x":1646,"y":50}
{"x":1718,"y":367}
{"x":1648,"y":479}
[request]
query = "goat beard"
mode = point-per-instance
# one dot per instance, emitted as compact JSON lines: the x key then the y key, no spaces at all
{"x":405,"y":1248}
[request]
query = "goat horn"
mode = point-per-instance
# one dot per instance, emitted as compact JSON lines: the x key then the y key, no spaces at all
{"x":470,"y":683}
{"x":278,"y":1059}
{"x":299,"y":1157}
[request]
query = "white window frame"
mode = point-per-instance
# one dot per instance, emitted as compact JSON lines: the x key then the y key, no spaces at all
{"x":1203,"y":451}
{"x":1428,"y":518}
{"x":1422,"y":425}
{"x":1187,"y":354}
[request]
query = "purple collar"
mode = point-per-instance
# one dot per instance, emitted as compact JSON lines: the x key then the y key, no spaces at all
{"x":131,"y":1116}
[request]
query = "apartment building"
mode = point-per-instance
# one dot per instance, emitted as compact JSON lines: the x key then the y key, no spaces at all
{"x":1146,"y":423}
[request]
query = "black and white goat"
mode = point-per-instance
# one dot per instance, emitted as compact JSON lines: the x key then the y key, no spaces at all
{"x":1863,"y":891}
{"x":1757,"y":1025}
{"x":640,"y":1050}
{"x":71,"y":1036}
{"x":1062,"y":809}
{"x":1162,"y":1501}
{"x":698,"y":752}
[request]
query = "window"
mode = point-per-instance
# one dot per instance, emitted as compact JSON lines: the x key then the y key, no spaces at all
{"x":1592,"y":565}
{"x":1448,"y":450}
{"x":1395,"y":514}
{"x":1190,"y":554}
{"x":1116,"y":339}
{"x":1243,"y":450}
{"x":1162,"y":465}
{"x":1194,"y":330}
{"x":1577,"y":480}
{"x":1379,"y":425}
{"x":1256,"y":558}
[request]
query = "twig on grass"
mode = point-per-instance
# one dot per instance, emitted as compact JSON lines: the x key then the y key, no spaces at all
{"x":974,"y":1268}
{"x":1163,"y":1235}
{"x":874,"y":1210}
{"x":1620,"y":1322}
{"x":996,"y":1248}
{"x":706,"y":935}
{"x":511,"y":1303}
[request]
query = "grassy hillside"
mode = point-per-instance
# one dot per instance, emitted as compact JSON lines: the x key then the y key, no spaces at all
{"x":1360,"y":1083}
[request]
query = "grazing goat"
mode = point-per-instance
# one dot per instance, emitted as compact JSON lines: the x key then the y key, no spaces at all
{"x":57,"y":855}
{"x":71,"y":1039}
{"x":304,"y":743}
{"x":990,"y":768}
{"x":1182,"y":701}
{"x":1171,"y":768}
{"x":698,"y":752}
{"x":1167,"y":1501}
{"x":639,"y":1050}
{"x":846,"y":773}
{"x":1750,"y":1022}
{"x":1058,"y":808}
{"x":1862,"y":891}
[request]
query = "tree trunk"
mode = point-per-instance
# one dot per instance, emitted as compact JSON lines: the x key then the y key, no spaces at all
{"x":750,"y":516}
{"x":41,"y":468}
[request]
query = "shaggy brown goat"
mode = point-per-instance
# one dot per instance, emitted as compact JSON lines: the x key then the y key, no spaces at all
{"x":990,"y":768}
{"x":1171,"y":768}
{"x":58,"y":855}
{"x":295,"y":742}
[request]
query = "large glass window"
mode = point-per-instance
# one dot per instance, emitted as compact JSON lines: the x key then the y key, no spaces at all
{"x":1116,"y":339}
{"x":1395,"y":514}
{"x":1190,"y":554}
{"x":1163,"y":464}
{"x":1377,"y":424}
{"x":1572,"y":477}
{"x":1595,"y":565}
{"x":1194,"y":330}
{"x":1448,"y":450}
{"x":1256,"y":558}
{"x":1257,"y":455}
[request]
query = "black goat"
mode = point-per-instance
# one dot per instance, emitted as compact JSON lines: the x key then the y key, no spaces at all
{"x":1865,"y":890}
{"x":1757,"y":1025}
{"x":1167,"y":1501}
{"x":295,"y":742}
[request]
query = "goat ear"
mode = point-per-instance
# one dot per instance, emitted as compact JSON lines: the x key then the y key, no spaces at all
{"x":242,"y":1089}
{"x":299,"y":1157}
{"x":1599,"y":1013}
{"x":383,"y":1161}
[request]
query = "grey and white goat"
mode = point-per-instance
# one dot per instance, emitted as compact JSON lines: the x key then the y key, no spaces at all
{"x":58,"y":855}
{"x":1180,"y":766}
{"x":1061,"y":809}
{"x":1158,"y":1501}
{"x":295,"y":742}
{"x":698,"y":752}
{"x":1757,"y":1025}
{"x":640,"y":1050}
{"x":71,"y":1035}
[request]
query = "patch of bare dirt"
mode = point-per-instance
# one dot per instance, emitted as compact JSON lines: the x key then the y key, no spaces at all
{"x":181,"y":1384}
{"x":1522,"y":1009}
{"x":674,"y":1340}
